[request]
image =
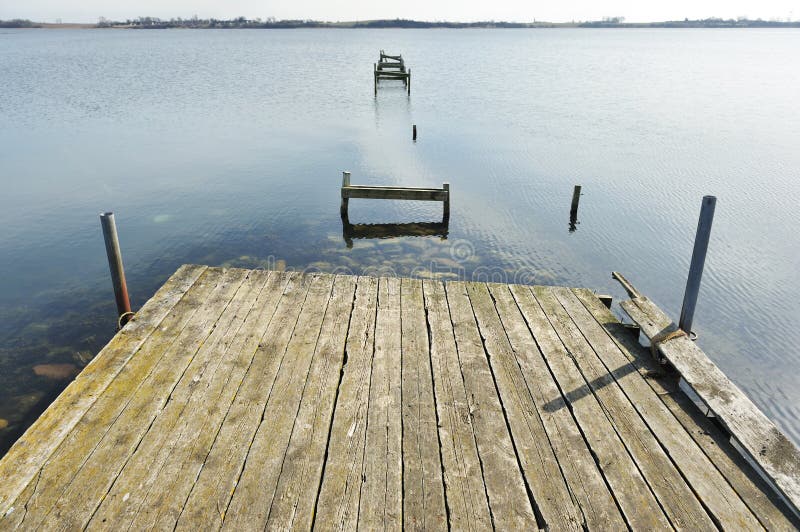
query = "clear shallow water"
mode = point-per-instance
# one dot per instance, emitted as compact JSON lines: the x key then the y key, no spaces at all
{"x":226,"y":148}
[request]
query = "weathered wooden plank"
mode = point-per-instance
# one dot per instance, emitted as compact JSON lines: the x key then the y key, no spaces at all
{"x":211,"y":493}
{"x":78,"y":443}
{"x":584,"y":479}
{"x":97,"y":474}
{"x":24,"y":460}
{"x":468,"y":506}
{"x":293,"y":503}
{"x":505,"y":487}
{"x":391,"y":64}
{"x":190,"y":445}
{"x":381,"y":505}
{"x":339,"y":497}
{"x":14,"y":515}
{"x":423,"y":486}
{"x":249,"y":507}
{"x":716,"y":495}
{"x":759,"y":497}
{"x":766,"y":444}
{"x":674,"y":494}
{"x":637,"y":502}
{"x":397,"y":193}
{"x":539,"y":464}
{"x":198,"y":388}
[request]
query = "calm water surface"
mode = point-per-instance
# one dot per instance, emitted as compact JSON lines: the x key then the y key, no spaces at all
{"x":226,"y":147}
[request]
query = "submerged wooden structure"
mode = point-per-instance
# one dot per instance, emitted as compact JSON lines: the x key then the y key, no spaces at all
{"x":391,"y":67}
{"x":350,"y":191}
{"x":245,"y":399}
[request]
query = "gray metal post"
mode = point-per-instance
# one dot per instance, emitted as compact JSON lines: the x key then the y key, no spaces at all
{"x":698,"y":260}
{"x":115,"y":265}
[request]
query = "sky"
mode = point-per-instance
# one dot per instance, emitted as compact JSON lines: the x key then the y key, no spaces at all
{"x":452,"y":10}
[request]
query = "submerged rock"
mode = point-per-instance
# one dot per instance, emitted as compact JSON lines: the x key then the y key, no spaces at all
{"x":56,"y":371}
{"x":3,"y":423}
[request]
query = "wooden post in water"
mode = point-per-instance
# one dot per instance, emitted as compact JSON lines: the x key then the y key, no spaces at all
{"x":446,"y":211}
{"x":345,"y":201}
{"x":698,"y":261}
{"x":576,"y":198}
{"x":408,"y":81}
{"x":573,"y":210}
{"x":414,"y":132}
{"x":115,"y":265}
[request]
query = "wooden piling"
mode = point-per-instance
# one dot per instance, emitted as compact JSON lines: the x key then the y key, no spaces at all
{"x":446,"y":212}
{"x":698,"y":261}
{"x":414,"y":132}
{"x":345,"y":200}
{"x":576,"y":198}
{"x":573,"y":211}
{"x":115,"y":266}
{"x":408,"y":82}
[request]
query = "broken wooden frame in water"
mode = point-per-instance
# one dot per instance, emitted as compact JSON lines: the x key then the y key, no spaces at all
{"x":391,"y":67}
{"x":349,"y":191}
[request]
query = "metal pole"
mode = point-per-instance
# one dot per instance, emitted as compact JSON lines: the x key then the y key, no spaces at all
{"x":698,"y":260}
{"x":115,"y":265}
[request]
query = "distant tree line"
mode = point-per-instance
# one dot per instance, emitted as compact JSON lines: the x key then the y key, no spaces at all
{"x":619,"y":22}
{"x":607,"y":22}
{"x":405,"y":23}
{"x":194,"y":22}
{"x":18,"y":23}
{"x":272,"y":23}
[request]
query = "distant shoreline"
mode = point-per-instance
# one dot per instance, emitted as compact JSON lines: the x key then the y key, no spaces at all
{"x":244,"y":23}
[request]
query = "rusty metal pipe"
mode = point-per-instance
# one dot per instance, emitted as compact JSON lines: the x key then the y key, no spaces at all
{"x":115,"y":266}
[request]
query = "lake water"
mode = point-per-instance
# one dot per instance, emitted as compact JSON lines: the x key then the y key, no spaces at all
{"x":226,"y":148}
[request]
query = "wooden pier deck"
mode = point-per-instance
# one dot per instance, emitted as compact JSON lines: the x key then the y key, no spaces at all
{"x":247,"y":399}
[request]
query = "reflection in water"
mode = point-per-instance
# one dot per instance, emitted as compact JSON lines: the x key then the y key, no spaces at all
{"x":573,"y":221}
{"x":368,"y":231}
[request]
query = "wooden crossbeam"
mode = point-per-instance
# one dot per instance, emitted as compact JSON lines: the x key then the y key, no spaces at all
{"x":396,"y":193}
{"x":349,"y":191}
